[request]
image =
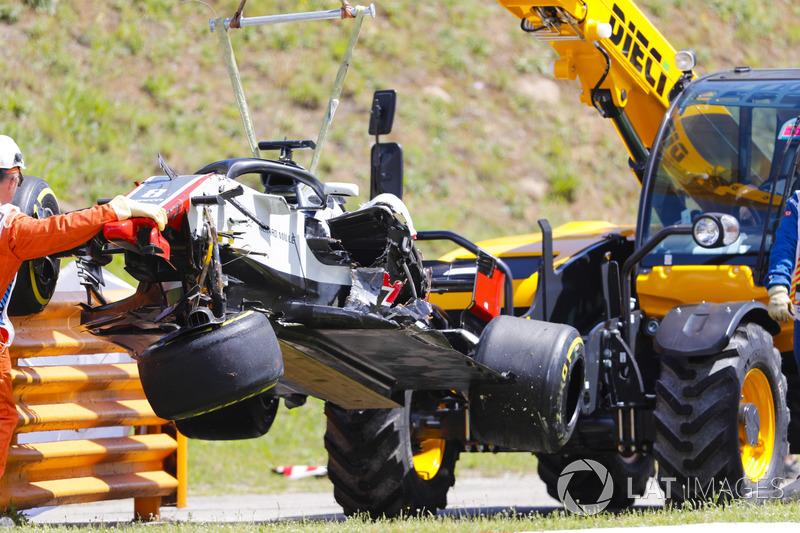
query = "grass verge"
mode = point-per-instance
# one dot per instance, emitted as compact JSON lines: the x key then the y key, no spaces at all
{"x":501,"y":521}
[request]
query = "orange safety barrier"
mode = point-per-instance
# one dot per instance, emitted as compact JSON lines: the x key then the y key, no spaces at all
{"x":86,"y":431}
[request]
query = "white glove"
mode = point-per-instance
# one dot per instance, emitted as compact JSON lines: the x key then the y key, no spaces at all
{"x":780,"y":306}
{"x":126,"y":208}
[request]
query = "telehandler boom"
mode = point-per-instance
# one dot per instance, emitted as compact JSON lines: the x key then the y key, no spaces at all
{"x":626,"y":68}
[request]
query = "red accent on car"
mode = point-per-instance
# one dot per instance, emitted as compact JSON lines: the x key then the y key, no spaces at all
{"x":395,"y":289}
{"x":488,"y":296}
{"x":128,"y":232}
{"x":123,"y":229}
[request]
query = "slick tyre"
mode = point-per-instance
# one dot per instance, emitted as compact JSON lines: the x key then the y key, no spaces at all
{"x":202,"y":370}
{"x":378,"y":469}
{"x":721,"y":422}
{"x":36,"y":278}
{"x":249,"y":419}
{"x":629,"y":476}
{"x":547,"y":362}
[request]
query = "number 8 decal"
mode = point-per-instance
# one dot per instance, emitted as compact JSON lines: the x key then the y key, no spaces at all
{"x":153,"y":193}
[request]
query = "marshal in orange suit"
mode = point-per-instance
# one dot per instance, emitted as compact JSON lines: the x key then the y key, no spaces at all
{"x":22,"y":238}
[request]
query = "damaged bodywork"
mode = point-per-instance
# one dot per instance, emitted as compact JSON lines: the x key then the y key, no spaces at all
{"x":343,"y":289}
{"x":341,"y":295}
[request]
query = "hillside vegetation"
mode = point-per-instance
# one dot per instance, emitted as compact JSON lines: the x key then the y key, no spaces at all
{"x":93,"y":91}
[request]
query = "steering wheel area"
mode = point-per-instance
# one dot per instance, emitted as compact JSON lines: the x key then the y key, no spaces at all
{"x":234,"y":168}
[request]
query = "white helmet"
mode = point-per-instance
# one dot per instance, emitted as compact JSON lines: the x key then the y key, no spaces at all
{"x":10,"y":154}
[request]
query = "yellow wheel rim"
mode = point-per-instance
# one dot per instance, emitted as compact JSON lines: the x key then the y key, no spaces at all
{"x":756,"y":459}
{"x":429,"y":459}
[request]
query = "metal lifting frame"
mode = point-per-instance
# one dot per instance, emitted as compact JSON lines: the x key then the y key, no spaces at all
{"x":233,"y":70}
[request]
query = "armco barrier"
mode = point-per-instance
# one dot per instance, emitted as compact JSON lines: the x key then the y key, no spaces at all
{"x":85,"y":431}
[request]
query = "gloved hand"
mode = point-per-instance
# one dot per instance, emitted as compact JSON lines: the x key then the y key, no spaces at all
{"x":780,"y":306}
{"x":126,"y":208}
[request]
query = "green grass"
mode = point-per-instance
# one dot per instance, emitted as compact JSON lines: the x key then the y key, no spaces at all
{"x":246,"y":465}
{"x":98,"y":89}
{"x":503,"y":521}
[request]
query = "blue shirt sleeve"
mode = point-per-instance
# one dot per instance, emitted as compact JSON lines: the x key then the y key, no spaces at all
{"x":782,"y":255}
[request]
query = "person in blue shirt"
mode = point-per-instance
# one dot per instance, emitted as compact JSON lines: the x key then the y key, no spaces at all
{"x":781,"y":282}
{"x":783,"y":269}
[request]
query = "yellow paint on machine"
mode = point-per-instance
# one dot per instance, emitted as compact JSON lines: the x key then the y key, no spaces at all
{"x":665,"y":287}
{"x":642,"y":69}
{"x":568,"y":239}
{"x":660,"y":289}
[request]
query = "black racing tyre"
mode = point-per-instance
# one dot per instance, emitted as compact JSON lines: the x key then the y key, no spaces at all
{"x":249,"y":419}
{"x":376,"y":467}
{"x":547,"y":362}
{"x":629,"y":476}
{"x":721,"y":422}
{"x":206,"y":369}
{"x":36,"y":278}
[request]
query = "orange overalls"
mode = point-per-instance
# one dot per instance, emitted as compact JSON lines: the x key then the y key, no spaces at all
{"x":23,"y":238}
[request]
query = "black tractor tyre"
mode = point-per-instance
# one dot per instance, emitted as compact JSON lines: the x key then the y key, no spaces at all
{"x":205,"y":369}
{"x":249,"y":419}
{"x":371,"y":464}
{"x":793,"y":403}
{"x":710,"y":445}
{"x":36,"y":278}
{"x":629,"y":476}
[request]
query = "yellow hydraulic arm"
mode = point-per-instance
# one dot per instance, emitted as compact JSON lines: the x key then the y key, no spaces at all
{"x":625,"y":66}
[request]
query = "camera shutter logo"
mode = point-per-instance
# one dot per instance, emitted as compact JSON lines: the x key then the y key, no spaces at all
{"x":585,"y":508}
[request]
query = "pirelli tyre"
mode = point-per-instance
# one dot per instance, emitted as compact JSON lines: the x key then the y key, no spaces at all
{"x":206,"y":369}
{"x":721,"y":421}
{"x":249,"y":419}
{"x":538,"y":409}
{"x":612,"y":482}
{"x":378,"y":469}
{"x":36,"y":278}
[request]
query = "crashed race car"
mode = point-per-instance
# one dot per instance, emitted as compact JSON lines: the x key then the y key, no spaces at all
{"x":250,"y":295}
{"x":266,"y":284}
{"x":239,"y":278}
{"x":260,"y":263}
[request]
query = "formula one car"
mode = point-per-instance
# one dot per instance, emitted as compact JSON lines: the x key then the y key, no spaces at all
{"x":243,"y":284}
{"x":265,"y":285}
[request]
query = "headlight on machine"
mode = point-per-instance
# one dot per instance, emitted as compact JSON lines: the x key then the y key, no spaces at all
{"x":685,"y":60}
{"x":713,"y":230}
